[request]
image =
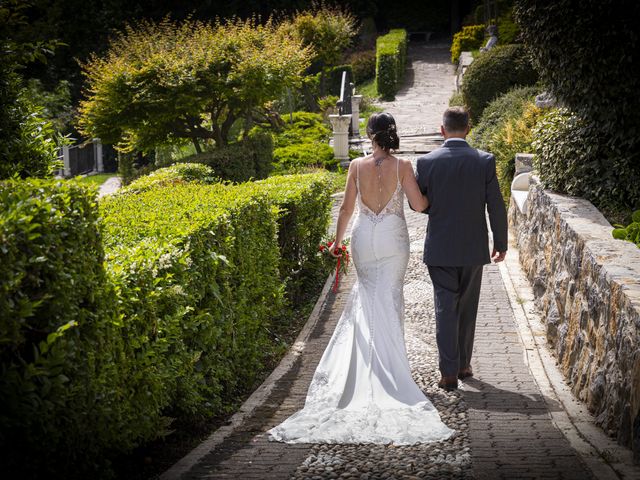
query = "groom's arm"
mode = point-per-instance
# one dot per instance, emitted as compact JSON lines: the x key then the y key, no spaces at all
{"x":496,"y":208}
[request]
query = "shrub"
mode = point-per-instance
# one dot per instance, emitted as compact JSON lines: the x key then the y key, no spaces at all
{"x":363,"y":64}
{"x":469,"y":38}
{"x":494,"y":73}
{"x":302,"y":144}
{"x":506,"y":107}
{"x":586,"y":64}
{"x":391,"y":58}
{"x":196,"y":271}
{"x":631,"y":232}
{"x":27,"y":141}
{"x":61,"y":404}
{"x":95,"y":362}
{"x":239,"y":162}
{"x":573,"y":155}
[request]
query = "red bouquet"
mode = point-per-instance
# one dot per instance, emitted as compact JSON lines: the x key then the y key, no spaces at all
{"x":341,"y":250}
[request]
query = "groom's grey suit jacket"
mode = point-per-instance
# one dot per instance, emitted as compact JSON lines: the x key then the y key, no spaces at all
{"x":459,"y":182}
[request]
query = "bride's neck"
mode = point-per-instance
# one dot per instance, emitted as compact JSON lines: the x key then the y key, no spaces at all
{"x":378,"y":152}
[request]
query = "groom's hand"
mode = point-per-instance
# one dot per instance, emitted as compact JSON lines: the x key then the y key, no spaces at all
{"x":498,"y":256}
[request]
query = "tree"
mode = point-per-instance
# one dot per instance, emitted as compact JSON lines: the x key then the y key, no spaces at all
{"x":166,"y":82}
{"x":328,"y":30}
{"x":27,"y":140}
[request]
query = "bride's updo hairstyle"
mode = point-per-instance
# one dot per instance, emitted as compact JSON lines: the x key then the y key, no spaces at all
{"x":381,"y":129}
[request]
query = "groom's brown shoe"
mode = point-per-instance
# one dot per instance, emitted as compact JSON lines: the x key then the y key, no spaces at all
{"x":465,"y":373}
{"x":448,"y":383}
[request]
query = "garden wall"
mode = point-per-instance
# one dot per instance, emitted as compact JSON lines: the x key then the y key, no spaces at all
{"x":587,"y":285}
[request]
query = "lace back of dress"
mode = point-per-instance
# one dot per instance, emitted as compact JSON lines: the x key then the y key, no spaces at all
{"x":395,"y":205}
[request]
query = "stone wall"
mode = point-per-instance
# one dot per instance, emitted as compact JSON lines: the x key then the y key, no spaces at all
{"x":587,"y":285}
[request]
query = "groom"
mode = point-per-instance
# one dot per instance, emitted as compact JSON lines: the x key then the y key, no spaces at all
{"x":459,"y":182}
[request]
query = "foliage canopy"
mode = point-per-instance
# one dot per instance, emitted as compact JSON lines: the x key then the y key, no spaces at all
{"x":166,"y":82}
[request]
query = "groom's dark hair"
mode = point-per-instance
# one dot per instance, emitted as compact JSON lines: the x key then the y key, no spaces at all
{"x":455,"y":119}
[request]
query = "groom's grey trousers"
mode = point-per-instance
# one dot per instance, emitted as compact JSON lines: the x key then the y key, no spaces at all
{"x":456,"y":294}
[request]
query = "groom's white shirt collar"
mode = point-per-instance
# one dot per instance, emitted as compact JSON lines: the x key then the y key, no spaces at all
{"x":454,"y":139}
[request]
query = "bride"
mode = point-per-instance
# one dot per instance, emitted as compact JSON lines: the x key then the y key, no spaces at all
{"x":362,"y":390}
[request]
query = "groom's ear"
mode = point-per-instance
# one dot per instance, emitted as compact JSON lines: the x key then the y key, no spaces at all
{"x":442,"y":130}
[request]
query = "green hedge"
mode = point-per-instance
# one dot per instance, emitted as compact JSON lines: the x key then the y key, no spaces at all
{"x":391,"y":60}
{"x":304,"y":204}
{"x":172,"y":175}
{"x":61,"y":401}
{"x":101,"y":350}
{"x":493,"y":73}
{"x":469,"y":38}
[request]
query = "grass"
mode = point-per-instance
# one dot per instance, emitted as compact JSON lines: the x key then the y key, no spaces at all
{"x":96,"y":180}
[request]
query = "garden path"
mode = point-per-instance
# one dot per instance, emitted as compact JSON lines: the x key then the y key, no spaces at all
{"x":510,"y":424}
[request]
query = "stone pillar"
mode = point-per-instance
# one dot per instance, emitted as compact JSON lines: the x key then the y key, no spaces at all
{"x":355,"y":114}
{"x":97,"y":155}
{"x":66,"y":161}
{"x":340,"y":125}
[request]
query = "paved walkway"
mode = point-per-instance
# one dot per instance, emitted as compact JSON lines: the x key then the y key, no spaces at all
{"x":507,"y":427}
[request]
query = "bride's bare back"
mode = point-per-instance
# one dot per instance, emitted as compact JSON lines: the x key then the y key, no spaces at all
{"x":378,"y":181}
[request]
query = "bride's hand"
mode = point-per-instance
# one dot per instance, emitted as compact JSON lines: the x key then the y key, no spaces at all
{"x":336,"y":248}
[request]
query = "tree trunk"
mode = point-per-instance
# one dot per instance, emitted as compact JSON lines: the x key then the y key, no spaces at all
{"x":226,"y":127}
{"x":196,"y":144}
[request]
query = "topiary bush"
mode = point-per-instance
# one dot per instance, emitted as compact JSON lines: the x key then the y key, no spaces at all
{"x":493,"y":73}
{"x":391,"y":59}
{"x":471,"y":37}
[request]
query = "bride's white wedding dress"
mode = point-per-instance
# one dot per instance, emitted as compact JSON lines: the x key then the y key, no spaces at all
{"x":362,"y":390}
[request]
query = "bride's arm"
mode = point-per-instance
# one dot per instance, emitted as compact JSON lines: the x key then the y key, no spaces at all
{"x":417,"y":200}
{"x":348,"y":204}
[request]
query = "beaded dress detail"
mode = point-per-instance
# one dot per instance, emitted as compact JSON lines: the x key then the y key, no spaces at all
{"x":362,"y":390}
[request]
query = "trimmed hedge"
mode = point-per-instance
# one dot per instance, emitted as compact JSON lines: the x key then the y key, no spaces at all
{"x":469,"y":38}
{"x":96,"y":360}
{"x":391,"y":60}
{"x":493,"y":73}
{"x":304,"y":205}
{"x":61,"y":400}
{"x":172,"y":175}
